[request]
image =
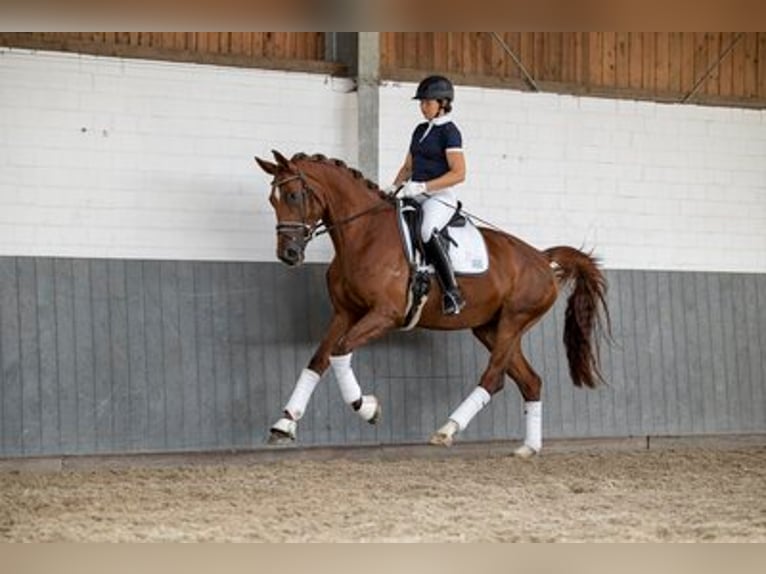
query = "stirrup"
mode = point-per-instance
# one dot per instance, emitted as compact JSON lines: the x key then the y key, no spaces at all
{"x":452,"y":303}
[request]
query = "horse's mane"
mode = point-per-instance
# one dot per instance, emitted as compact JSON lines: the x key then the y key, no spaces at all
{"x":339,"y":163}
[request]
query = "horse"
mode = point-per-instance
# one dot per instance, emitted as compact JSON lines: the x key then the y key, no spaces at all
{"x":368,"y":284}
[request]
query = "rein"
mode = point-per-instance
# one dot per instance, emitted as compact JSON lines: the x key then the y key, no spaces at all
{"x":324,"y":228}
{"x":475,"y":217}
{"x":320,"y":228}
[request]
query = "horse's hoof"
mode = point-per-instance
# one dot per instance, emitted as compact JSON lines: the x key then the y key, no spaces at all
{"x":279,"y":438}
{"x":370,"y":409}
{"x":376,"y":416}
{"x":283,"y":432}
{"x":440,"y":439}
{"x":525,"y":452}
{"x":444,"y":436}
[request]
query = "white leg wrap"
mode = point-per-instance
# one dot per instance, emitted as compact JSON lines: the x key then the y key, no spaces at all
{"x":302,"y":392}
{"x":473,"y":403}
{"x":533,"y":417}
{"x":349,"y":387}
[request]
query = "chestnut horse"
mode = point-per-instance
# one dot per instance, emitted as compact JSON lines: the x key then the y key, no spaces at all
{"x":368,"y":285}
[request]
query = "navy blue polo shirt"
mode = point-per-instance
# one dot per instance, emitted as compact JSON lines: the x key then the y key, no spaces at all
{"x":429,"y":146}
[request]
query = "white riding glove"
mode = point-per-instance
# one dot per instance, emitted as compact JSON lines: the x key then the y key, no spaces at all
{"x":413,"y":188}
{"x":391,"y":189}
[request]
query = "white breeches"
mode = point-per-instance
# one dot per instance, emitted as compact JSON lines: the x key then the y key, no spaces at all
{"x":438,"y":209}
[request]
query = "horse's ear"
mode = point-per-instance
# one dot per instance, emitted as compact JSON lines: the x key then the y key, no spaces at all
{"x":267,"y":166}
{"x":282,"y":160}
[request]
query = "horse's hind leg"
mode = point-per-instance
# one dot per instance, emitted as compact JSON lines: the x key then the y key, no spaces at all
{"x":527,"y":380}
{"x":529,"y":384}
{"x":507,"y":329}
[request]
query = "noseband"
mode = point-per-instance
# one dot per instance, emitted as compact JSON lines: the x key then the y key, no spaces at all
{"x":300,"y":231}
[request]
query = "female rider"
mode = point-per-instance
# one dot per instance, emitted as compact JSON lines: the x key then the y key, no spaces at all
{"x":433,"y":167}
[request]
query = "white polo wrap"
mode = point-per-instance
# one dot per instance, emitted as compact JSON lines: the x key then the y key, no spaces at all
{"x":533,"y":417}
{"x":302,"y":392}
{"x":349,"y":387}
{"x":468,"y":409}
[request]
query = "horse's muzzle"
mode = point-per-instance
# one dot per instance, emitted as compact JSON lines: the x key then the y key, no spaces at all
{"x":292,"y":238}
{"x":291,"y":254}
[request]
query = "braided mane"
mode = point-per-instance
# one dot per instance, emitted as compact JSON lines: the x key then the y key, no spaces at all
{"x":339,"y":163}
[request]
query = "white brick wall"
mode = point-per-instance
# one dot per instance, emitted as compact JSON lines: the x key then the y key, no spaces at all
{"x":103,"y":157}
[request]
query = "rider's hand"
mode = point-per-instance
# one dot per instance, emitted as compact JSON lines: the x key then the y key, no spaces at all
{"x":413,"y":188}
{"x":391,"y":190}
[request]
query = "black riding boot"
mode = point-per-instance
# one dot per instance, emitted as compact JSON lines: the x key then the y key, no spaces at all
{"x":437,"y":256}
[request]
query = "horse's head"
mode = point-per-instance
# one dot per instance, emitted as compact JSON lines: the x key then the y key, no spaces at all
{"x":297,"y":207}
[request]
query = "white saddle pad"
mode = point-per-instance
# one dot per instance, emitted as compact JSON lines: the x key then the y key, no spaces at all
{"x":468,"y":254}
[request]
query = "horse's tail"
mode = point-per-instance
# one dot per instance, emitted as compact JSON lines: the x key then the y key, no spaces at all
{"x":586,"y":311}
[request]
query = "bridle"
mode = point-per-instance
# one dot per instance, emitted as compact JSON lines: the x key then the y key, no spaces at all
{"x":301,"y":231}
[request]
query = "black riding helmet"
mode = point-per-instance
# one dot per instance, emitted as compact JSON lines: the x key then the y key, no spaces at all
{"x":435,"y":88}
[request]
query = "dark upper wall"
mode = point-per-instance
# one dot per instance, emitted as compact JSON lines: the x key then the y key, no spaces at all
{"x":665,"y":66}
{"x":705,"y":67}
{"x":303,"y":51}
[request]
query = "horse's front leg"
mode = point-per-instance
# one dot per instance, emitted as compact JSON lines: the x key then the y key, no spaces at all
{"x":374,"y":324}
{"x":284,"y":430}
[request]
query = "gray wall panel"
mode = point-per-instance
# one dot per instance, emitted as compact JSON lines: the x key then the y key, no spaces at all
{"x":120,"y":366}
{"x":48,"y":376}
{"x":10,"y":373}
{"x":203,"y":316}
{"x":105,"y":394}
{"x":706,"y":365}
{"x":255,"y":353}
{"x":718,"y":376}
{"x":65,"y":353}
{"x":731,"y":376}
{"x":141,"y":356}
{"x":137,"y":406}
{"x":651,"y":345}
{"x":616,"y":374}
{"x":84,"y":361}
{"x":155,"y":374}
{"x":751,"y":347}
{"x":641,"y":339}
{"x":187,"y":325}
{"x":31,"y":405}
{"x":759,"y":317}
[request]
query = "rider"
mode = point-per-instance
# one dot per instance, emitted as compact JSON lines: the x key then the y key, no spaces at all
{"x":433,"y":167}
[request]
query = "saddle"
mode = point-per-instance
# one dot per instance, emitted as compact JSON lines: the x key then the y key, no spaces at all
{"x":465,"y":247}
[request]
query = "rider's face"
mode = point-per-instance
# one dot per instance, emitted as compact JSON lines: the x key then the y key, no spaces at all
{"x":429,"y":108}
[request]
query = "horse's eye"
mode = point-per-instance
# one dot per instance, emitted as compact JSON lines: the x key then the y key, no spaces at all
{"x":292,"y":197}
